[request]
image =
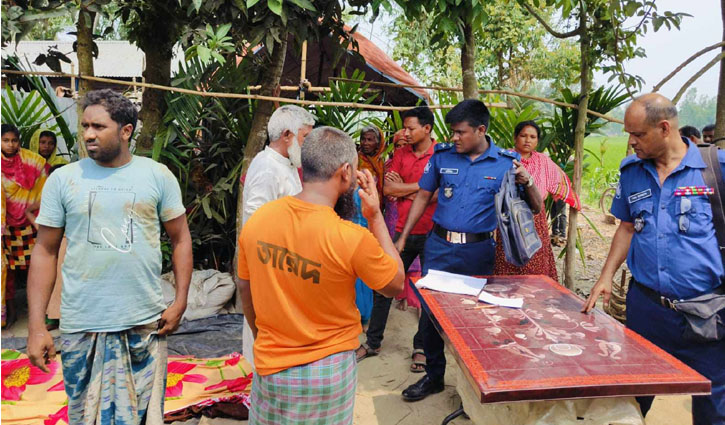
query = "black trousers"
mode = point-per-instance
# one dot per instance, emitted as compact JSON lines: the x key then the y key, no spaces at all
{"x":558,"y":219}
{"x":381,"y":304}
{"x":472,"y":259}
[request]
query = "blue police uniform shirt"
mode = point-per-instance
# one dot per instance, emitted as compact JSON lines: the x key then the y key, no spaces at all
{"x":676,"y":262}
{"x":466,"y":188}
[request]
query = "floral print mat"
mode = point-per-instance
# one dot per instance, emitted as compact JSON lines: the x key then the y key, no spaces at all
{"x":30,"y":396}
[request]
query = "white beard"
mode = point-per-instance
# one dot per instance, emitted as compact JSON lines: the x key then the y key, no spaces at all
{"x":295,"y":153}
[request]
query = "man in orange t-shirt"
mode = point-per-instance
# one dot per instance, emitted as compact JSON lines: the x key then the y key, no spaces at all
{"x":298,"y":262}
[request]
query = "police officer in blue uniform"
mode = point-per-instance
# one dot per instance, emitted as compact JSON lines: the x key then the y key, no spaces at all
{"x":668,"y":238}
{"x":467,"y":174}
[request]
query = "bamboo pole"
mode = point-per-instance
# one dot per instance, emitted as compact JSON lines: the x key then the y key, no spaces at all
{"x":502,"y":92}
{"x":242,"y":96}
{"x":303,"y":69}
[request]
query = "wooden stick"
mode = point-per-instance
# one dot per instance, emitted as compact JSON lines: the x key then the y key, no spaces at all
{"x":239,"y":95}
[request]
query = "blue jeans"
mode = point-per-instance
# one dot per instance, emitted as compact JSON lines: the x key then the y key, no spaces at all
{"x":664,"y":327}
{"x":473,"y":259}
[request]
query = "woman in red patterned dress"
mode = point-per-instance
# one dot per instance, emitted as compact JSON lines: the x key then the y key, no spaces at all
{"x":551,"y":180}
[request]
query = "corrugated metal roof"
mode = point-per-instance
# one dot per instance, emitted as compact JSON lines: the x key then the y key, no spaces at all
{"x":115,"y":58}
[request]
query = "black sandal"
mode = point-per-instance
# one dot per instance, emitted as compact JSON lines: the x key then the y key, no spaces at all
{"x":417,"y":366}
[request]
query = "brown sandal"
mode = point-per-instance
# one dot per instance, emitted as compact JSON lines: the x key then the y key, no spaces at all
{"x":369,"y":352}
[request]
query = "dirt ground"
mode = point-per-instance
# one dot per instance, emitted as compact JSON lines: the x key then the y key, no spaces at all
{"x":381,"y":379}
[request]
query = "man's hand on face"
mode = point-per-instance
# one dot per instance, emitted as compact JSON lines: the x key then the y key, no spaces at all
{"x":41,"y":349}
{"x":368,"y":195}
{"x":522,"y":176}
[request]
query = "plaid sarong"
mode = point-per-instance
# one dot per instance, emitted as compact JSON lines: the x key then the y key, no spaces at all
{"x":322,"y":392}
{"x":115,"y":377}
{"x":18,"y":245}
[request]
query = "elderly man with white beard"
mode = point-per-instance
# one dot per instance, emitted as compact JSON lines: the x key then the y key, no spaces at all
{"x":273,"y":173}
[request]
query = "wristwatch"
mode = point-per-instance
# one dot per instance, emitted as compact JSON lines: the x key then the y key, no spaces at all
{"x":530,"y":182}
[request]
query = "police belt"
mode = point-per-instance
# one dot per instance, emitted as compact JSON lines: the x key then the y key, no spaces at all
{"x":656,"y":296}
{"x":460,"y":237}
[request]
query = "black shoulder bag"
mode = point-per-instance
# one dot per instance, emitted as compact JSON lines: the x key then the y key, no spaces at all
{"x":705,"y":314}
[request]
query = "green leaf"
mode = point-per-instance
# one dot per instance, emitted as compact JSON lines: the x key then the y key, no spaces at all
{"x":305,"y":4}
{"x":251,"y":3}
{"x":10,"y":355}
{"x":275,"y":6}
{"x":223,"y":30}
{"x":197,"y":5}
{"x":204,"y":53}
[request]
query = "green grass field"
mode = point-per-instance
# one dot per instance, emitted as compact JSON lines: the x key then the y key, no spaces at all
{"x":615,"y":149}
{"x":599,"y":175}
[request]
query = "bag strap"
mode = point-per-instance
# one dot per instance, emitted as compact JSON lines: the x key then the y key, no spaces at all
{"x":713,"y":178}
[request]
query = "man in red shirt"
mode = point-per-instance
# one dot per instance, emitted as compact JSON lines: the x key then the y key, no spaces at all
{"x":401,"y":181}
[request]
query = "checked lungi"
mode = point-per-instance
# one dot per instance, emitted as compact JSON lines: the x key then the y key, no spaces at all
{"x":322,"y":392}
{"x":18,"y":245}
{"x":115,"y":377}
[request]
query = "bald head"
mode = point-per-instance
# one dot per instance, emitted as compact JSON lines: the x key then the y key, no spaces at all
{"x":651,"y":121}
{"x":657,"y":108}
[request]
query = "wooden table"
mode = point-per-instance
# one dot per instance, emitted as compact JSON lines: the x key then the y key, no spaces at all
{"x":548,"y":350}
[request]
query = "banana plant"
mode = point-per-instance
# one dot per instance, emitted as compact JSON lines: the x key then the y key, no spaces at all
{"x":27,"y":112}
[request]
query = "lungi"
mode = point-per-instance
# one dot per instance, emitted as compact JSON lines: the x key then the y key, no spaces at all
{"x":322,"y":392}
{"x":17,"y":246}
{"x":115,"y":377}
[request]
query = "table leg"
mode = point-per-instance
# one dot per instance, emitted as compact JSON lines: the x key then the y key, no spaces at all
{"x":454,"y":415}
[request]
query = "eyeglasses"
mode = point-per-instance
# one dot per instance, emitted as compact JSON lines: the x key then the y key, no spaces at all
{"x":685,"y":207}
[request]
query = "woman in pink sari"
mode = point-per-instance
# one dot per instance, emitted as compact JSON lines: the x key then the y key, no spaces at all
{"x":550,"y":180}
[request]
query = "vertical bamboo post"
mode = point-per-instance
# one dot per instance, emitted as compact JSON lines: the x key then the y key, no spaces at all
{"x":303,"y":69}
{"x":73,"y":80}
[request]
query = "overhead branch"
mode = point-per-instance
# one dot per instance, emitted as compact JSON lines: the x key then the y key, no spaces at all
{"x":685,"y":63}
{"x":697,"y":75}
{"x":548,"y":27}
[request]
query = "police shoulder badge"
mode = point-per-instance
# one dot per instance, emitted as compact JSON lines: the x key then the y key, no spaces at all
{"x":427,"y":168}
{"x":448,"y":192}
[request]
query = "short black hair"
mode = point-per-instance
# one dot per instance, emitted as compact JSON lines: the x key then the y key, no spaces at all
{"x":48,"y":133}
{"x":472,"y":111}
{"x":689,"y":131}
{"x":523,"y":124}
{"x":709,"y":127}
{"x":6,"y":128}
{"x":121,"y":110}
{"x":423,"y":113}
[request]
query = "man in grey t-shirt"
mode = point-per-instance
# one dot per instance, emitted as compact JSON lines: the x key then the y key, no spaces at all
{"x":113,"y":322}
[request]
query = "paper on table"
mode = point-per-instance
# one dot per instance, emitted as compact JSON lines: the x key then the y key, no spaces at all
{"x":452,"y":283}
{"x":503,"y":302}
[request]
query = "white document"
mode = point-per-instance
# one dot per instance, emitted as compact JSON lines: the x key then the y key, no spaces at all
{"x":451,"y":283}
{"x":503,"y":302}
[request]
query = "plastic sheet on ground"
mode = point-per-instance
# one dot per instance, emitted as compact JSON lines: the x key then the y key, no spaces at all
{"x":594,"y":411}
{"x":209,"y":337}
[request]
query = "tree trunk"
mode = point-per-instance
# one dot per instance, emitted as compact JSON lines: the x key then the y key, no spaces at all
{"x":84,"y":52}
{"x":579,"y":134}
{"x":468,"y":62}
{"x":720,"y":114}
{"x":258,"y":129}
{"x":499,"y":69}
{"x":158,"y":71}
